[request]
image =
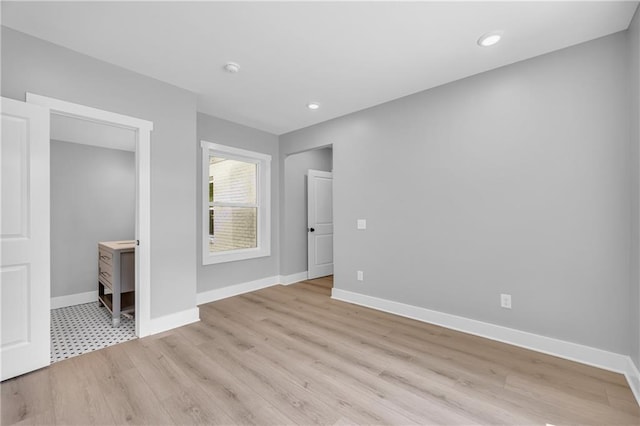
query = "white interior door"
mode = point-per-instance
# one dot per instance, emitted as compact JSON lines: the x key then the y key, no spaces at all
{"x":24,"y":239}
{"x":320,"y":223}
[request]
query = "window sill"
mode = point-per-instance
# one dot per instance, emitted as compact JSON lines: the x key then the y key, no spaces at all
{"x":235,"y":255}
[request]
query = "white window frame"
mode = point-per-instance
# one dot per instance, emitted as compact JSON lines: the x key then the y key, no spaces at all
{"x":263,"y":162}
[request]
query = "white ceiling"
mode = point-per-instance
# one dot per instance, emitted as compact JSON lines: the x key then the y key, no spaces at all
{"x":345,"y":55}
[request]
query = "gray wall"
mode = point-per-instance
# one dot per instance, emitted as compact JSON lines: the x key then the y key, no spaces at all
{"x":30,"y":64}
{"x":293,"y":244}
{"x":634,"y":92}
{"x":93,"y":196}
{"x":512,"y":181}
{"x":224,"y":132}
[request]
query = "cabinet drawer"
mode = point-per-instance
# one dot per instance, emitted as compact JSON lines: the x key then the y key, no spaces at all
{"x":105,"y":273}
{"x":105,"y":256}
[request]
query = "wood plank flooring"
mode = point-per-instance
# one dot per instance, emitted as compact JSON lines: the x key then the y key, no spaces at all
{"x":292,"y":355}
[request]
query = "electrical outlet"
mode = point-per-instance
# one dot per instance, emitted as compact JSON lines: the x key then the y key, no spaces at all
{"x":505,"y":301}
{"x":360,"y":276}
{"x":362,"y":223}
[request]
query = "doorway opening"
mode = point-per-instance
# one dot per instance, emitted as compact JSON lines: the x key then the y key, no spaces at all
{"x":92,"y":199}
{"x":117,"y":148}
{"x":308,"y":236}
{"x":322,"y":285}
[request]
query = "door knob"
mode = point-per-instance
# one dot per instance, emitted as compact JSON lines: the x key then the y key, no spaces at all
{"x":311,"y":230}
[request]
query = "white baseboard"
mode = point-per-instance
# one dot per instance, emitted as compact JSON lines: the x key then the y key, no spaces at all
{"x":293,"y":278}
{"x":178,"y":319}
{"x":583,"y":354}
{"x":74,"y":299}
{"x":633,"y":377}
{"x":247,"y":287}
{"x":234,"y":290}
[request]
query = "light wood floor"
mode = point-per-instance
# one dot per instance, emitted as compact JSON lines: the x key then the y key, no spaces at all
{"x":291,"y":355}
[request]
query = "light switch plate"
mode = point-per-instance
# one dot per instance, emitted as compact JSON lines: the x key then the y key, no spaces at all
{"x":362,"y":223}
{"x":505,"y":301}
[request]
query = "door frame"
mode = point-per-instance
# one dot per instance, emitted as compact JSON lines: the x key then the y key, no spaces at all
{"x":143,"y":129}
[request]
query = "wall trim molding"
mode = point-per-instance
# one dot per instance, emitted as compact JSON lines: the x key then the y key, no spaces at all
{"x":74,"y":299}
{"x":572,"y":351}
{"x":293,"y":278}
{"x":143,"y":130}
{"x":633,"y":377}
{"x":175,"y":320}
{"x":236,"y":289}
{"x":249,"y":286}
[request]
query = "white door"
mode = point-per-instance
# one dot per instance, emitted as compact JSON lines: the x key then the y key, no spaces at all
{"x":320,"y":223}
{"x":24,"y":239}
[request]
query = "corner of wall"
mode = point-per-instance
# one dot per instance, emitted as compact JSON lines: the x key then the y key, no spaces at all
{"x":633,"y":40}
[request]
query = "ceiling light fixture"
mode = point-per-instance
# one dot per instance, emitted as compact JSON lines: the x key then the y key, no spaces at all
{"x":489,"y":39}
{"x":231,"y":67}
{"x":313,"y":105}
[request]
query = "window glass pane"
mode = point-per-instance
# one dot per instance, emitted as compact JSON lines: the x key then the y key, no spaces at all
{"x":233,"y":228}
{"x":232,"y":181}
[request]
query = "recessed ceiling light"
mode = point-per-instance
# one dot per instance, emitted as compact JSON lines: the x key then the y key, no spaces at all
{"x":489,"y":39}
{"x":231,"y":67}
{"x":313,"y":105}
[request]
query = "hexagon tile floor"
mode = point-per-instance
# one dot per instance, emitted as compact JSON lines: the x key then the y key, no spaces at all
{"x":79,"y":329}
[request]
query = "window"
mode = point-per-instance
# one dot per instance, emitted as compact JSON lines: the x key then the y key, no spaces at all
{"x":236,"y":204}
